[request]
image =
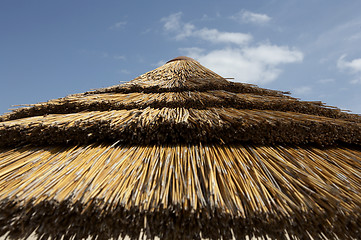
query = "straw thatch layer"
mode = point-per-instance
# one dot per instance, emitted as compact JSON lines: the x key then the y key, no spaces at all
{"x":234,"y":87}
{"x":183,"y":75}
{"x":179,"y":125}
{"x":181,"y":191}
{"x":198,"y":100}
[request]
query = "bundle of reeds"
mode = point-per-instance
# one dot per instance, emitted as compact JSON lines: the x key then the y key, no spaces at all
{"x":180,"y":153}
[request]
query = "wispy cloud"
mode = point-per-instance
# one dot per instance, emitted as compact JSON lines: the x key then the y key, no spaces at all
{"x":356,"y":81}
{"x":124,"y":71}
{"x":326,"y":80}
{"x":304,"y":90}
{"x":119,"y":57}
{"x":174,"y":25}
{"x":215,"y":36}
{"x":102,"y":54}
{"x":118,"y":25}
{"x":251,"y":17}
{"x":352,"y":67}
{"x":159,"y":63}
{"x":192,"y":51}
{"x":346,"y":34}
{"x":354,"y":37}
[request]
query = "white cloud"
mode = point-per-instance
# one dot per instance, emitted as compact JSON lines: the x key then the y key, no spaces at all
{"x":173,"y":24}
{"x":352,"y":67}
{"x":273,"y":55}
{"x":240,"y":64}
{"x":237,"y":57}
{"x":118,"y":25}
{"x":251,"y":17}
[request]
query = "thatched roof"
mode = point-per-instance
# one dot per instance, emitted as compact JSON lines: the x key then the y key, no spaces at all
{"x":180,"y":152}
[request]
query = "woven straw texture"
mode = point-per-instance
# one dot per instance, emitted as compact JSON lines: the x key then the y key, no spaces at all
{"x":180,"y":153}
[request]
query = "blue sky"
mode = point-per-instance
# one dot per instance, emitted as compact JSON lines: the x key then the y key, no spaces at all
{"x":52,"y":48}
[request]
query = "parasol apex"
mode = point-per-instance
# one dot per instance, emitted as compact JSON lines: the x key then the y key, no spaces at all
{"x":180,"y":153}
{"x":181,"y":58}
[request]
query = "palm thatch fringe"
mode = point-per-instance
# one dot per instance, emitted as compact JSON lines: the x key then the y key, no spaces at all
{"x":197,"y":100}
{"x":177,"y":125}
{"x":181,"y":191}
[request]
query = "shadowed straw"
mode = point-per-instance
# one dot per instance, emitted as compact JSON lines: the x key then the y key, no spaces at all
{"x":180,"y":153}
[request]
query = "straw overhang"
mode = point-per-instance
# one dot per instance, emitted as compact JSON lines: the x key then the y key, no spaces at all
{"x":199,"y":184}
{"x":180,"y":125}
{"x":180,"y":152}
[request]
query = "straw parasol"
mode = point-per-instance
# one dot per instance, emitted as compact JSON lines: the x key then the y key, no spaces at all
{"x":180,"y":153}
